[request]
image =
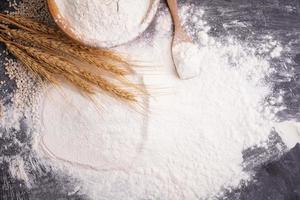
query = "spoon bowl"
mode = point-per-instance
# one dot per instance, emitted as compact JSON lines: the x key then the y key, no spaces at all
{"x":185,"y":53}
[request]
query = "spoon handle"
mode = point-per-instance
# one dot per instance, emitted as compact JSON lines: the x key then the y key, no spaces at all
{"x":174,"y":12}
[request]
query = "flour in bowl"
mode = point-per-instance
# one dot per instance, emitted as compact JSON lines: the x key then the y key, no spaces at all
{"x":106,"y":23}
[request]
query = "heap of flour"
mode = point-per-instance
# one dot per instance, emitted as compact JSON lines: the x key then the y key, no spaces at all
{"x":107,"y":23}
{"x":187,"y":59}
{"x":189,"y":143}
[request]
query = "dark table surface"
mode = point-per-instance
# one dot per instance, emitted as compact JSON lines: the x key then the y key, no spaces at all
{"x":277,"y":170}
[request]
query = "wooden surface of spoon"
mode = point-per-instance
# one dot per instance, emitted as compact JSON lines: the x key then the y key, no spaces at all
{"x":179,"y":34}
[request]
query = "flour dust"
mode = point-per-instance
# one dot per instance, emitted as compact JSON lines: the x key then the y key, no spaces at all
{"x":187,"y":60}
{"x":189,"y":144}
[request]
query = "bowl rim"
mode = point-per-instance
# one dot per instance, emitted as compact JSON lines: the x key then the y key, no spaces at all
{"x":66,"y":27}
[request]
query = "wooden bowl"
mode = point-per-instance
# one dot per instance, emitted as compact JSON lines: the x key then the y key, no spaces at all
{"x":66,"y":27}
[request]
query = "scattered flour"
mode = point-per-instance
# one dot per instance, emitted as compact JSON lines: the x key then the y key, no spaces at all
{"x":276,"y":52}
{"x":98,"y":131}
{"x":187,"y":59}
{"x":107,"y":23}
{"x":188,"y":145}
{"x":18,"y":117}
{"x":17,"y":169}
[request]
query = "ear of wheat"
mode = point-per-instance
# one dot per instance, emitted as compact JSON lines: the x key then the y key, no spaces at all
{"x":50,"y":54}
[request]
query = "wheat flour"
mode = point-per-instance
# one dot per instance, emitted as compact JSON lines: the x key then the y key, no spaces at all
{"x":190,"y":143}
{"x":187,"y":59}
{"x":107,"y":23}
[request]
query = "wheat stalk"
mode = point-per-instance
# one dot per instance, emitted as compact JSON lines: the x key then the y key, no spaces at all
{"x":47,"y":42}
{"x":46,"y":73}
{"x":30,"y":25}
{"x":31,"y":63}
{"x":59,"y":65}
{"x":51,"y":55}
{"x":36,"y":27}
{"x":64,"y":66}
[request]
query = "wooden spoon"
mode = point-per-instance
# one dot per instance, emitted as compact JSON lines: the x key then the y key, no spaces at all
{"x":183,"y":49}
{"x":179,"y":34}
